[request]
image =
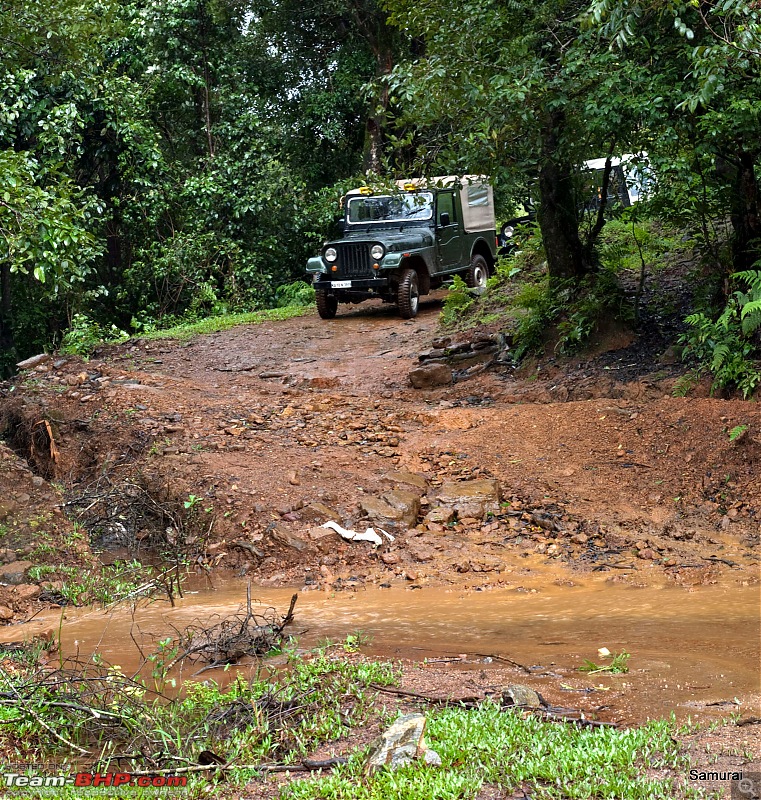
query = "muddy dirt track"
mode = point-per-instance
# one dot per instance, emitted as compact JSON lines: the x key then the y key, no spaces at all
{"x":280,"y":427}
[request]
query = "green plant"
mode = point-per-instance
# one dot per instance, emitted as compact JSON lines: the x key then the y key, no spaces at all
{"x":295,"y":295}
{"x":488,"y":746}
{"x":737,"y":432}
{"x":725,"y":347}
{"x":354,"y":641}
{"x":84,"y":335}
{"x":457,"y":302}
{"x":619,"y":665}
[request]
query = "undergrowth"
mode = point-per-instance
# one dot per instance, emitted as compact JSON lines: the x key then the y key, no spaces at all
{"x":92,"y":716}
{"x":84,"y":334}
{"x":490,"y":746}
{"x":727,"y":347}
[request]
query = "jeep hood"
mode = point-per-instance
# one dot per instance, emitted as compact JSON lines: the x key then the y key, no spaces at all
{"x":395,"y":241}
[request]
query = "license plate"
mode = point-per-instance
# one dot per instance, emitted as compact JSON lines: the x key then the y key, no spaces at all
{"x":340,"y":284}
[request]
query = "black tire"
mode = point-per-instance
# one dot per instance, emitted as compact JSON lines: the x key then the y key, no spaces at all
{"x":327,"y":304}
{"x":478,"y":273}
{"x":407,"y":295}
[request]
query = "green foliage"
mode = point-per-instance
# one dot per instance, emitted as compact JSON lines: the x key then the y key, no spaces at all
{"x":737,"y":432}
{"x":573,"y":310}
{"x":44,"y":221}
{"x":491,"y":746}
{"x":186,"y":330}
{"x":91,"y":586}
{"x":457,"y":302}
{"x":99,"y":707}
{"x":619,"y":664}
{"x":725,"y":347}
{"x":84,"y":335}
{"x":298,"y":294}
{"x":625,"y":242}
{"x":750,"y":301}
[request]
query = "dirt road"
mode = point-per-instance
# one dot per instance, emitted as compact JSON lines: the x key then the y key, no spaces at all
{"x":280,"y":427}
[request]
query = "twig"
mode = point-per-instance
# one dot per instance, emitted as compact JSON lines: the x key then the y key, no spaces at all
{"x":305,"y":766}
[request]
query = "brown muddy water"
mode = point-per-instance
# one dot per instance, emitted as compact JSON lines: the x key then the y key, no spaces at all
{"x":693,"y":652}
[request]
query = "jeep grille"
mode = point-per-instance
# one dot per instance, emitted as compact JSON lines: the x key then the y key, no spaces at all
{"x":354,"y":261}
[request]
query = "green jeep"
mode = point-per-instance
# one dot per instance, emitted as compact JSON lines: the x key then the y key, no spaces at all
{"x":400,"y":245}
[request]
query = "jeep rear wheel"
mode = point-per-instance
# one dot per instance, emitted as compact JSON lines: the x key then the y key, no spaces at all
{"x":478,"y":273}
{"x":407,"y":295}
{"x":327,"y":304}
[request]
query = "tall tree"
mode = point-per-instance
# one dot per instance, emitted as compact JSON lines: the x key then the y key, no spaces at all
{"x":711,"y":52}
{"x":520,"y":91}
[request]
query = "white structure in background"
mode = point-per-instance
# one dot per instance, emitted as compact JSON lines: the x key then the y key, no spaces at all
{"x":631,"y":178}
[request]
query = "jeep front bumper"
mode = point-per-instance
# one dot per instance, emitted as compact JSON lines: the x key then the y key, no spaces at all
{"x":351,"y":284}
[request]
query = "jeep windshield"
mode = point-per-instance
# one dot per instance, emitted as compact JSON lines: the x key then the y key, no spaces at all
{"x":391,"y":208}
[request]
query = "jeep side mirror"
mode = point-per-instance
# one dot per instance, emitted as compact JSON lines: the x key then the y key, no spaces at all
{"x":444,"y":219}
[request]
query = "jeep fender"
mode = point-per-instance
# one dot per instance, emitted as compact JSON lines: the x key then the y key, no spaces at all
{"x":481,"y":248}
{"x":418,"y":263}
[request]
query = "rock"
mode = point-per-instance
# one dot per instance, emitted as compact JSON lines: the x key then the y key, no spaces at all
{"x":429,"y":376}
{"x":518,"y":695}
{"x":283,"y":536}
{"x":5,"y":614}
{"x":394,"y":507}
{"x":390,"y":559}
{"x":7,"y":556}
{"x":422,"y":554}
{"x":319,"y":512}
{"x":440,"y":515}
{"x":410,"y":478}
{"x":471,"y":498}
{"x":316,"y":534}
{"x":401,"y":744}
{"x":34,"y":361}
{"x":15,"y":573}
{"x":543,"y":521}
{"x":26,"y":592}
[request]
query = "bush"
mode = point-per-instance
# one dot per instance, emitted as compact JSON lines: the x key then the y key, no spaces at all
{"x":84,"y":335}
{"x":726,"y":347}
{"x":298,"y":294}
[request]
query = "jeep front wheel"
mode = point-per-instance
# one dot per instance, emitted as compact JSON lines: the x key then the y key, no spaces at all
{"x":478,"y":273}
{"x":407,"y":295}
{"x":327,"y":304}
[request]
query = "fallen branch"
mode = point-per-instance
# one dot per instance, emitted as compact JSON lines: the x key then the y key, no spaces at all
{"x":306,"y":765}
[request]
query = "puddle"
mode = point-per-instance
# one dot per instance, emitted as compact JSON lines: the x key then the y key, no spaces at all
{"x":688,"y":648}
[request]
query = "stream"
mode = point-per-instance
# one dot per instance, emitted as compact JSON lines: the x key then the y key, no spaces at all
{"x":693,"y":652}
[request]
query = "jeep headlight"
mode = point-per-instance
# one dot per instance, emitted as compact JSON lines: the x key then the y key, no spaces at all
{"x":331,"y":254}
{"x":377,"y":251}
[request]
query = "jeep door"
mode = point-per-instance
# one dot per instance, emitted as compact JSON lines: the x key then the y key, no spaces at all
{"x":449,"y":242}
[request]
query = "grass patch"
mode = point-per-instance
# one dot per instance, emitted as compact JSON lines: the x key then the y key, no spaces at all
{"x":92,"y":717}
{"x":491,"y":746}
{"x":222,"y":323}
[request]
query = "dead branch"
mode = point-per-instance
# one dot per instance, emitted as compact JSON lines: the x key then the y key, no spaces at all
{"x":232,"y":638}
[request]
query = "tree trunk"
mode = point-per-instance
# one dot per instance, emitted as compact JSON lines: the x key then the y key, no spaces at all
{"x":745,"y":213}
{"x":6,"y":316}
{"x":558,"y":219}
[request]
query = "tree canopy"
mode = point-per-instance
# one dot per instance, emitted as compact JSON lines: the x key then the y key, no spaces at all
{"x":184,"y":156}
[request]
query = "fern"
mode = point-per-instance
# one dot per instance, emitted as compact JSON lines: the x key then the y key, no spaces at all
{"x":724,"y":347}
{"x":751,"y":317}
{"x":685,"y":384}
{"x":721,"y":353}
{"x":753,"y":278}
